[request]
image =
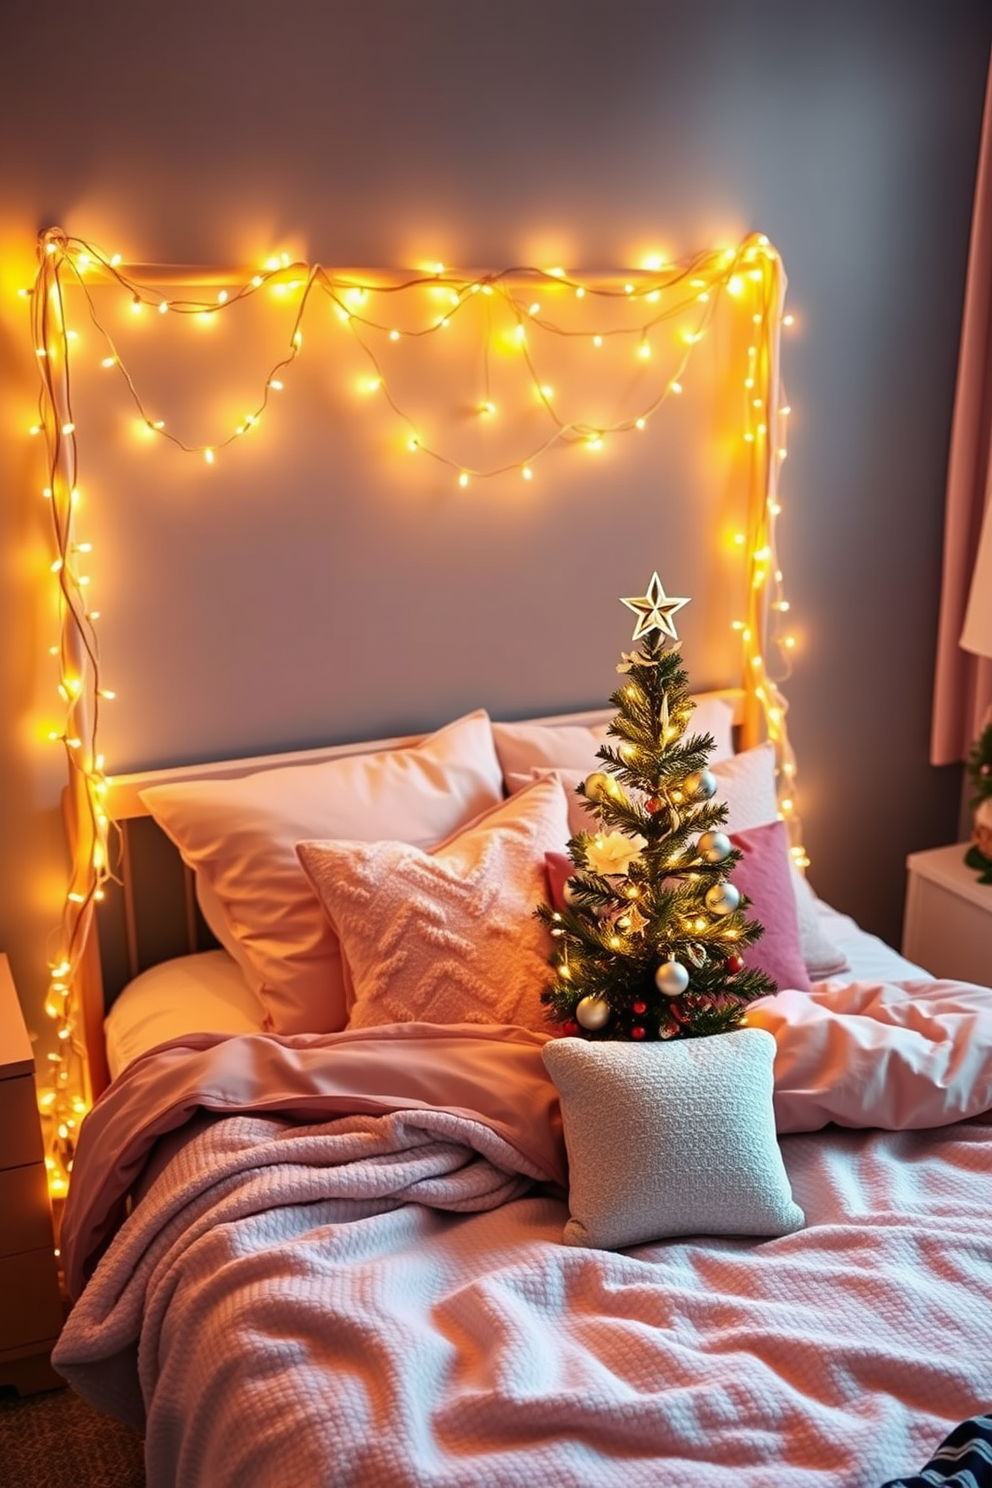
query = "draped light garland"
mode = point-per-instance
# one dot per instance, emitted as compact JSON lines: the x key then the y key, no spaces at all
{"x":679,"y":298}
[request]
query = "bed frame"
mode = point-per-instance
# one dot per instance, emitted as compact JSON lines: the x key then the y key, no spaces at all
{"x":150,"y":914}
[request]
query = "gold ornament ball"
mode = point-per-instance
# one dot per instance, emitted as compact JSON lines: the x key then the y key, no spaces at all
{"x":671,"y":978}
{"x":599,"y":786}
{"x":723,"y":898}
{"x":592,"y":1013}
{"x":713,"y":847}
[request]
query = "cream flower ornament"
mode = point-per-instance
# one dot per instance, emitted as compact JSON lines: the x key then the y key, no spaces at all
{"x":613,"y":852}
{"x":629,"y":659}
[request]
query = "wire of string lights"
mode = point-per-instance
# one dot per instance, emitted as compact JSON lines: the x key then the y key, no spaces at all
{"x":666,"y":306}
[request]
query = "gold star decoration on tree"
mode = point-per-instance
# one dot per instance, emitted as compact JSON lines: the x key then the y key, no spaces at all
{"x":654,"y":610}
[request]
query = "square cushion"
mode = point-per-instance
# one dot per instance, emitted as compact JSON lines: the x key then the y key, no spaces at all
{"x":671,"y":1139}
{"x":239,"y":836}
{"x":447,"y":936}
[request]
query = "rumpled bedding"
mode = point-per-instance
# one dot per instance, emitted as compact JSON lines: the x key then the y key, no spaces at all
{"x":352,"y":1273}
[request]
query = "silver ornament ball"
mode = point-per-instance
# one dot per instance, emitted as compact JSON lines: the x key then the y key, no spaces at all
{"x":700,"y":785}
{"x":723,"y":898}
{"x":592,"y":1013}
{"x":671,"y":978}
{"x":713,"y":847}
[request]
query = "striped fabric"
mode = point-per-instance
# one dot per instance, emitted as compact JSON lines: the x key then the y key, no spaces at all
{"x":963,"y":1460}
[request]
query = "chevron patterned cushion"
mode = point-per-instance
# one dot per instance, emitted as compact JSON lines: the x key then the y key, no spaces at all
{"x":446,"y":936}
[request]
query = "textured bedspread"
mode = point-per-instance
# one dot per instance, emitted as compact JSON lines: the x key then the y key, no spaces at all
{"x":383,"y":1299}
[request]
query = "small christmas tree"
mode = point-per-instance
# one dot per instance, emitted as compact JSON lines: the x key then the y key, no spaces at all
{"x":648,"y":942}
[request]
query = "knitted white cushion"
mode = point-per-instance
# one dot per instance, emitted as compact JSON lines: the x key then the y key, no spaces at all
{"x":671,"y":1139}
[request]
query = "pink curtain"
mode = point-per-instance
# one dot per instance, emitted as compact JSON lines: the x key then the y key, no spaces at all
{"x":963,"y":683}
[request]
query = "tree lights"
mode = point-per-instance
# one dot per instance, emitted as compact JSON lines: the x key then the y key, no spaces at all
{"x":656,"y":317}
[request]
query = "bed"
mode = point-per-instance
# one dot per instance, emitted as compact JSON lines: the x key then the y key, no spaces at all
{"x":315,"y":1228}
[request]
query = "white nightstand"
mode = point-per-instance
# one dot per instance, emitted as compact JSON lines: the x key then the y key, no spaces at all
{"x":948,"y":923}
{"x":30,"y":1303}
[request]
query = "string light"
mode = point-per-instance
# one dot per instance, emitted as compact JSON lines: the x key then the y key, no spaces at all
{"x":629,"y":313}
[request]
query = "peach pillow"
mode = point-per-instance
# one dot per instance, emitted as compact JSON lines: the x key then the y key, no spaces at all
{"x":447,"y":936}
{"x":239,"y":836}
{"x":523,"y":747}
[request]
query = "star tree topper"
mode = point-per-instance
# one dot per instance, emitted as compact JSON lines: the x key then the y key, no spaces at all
{"x":654,"y":610}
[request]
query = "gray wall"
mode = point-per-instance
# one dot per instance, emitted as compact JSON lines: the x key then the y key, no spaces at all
{"x":376,"y":133}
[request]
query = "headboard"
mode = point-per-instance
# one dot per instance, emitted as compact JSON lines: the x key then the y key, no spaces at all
{"x":149,"y":912}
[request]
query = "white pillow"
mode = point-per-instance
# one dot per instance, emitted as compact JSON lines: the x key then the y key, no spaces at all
{"x":523,"y":747}
{"x":200,"y":993}
{"x":670,"y":1139}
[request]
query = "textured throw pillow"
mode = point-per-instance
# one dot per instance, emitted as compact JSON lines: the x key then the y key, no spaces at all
{"x":671,"y":1139}
{"x":448,"y":936}
{"x":523,"y":747}
{"x":240,"y":835}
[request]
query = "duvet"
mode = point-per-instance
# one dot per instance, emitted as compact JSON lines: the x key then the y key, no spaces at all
{"x":342,"y":1264}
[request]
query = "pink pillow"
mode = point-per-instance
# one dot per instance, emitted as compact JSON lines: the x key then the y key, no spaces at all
{"x":764,"y":875}
{"x":240,"y":835}
{"x":523,"y":747}
{"x":447,"y":936}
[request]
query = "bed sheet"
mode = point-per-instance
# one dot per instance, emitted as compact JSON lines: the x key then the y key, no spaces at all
{"x":201,"y":993}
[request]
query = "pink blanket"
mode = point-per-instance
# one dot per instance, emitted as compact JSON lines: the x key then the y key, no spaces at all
{"x":491,"y":1075}
{"x":379,"y":1300}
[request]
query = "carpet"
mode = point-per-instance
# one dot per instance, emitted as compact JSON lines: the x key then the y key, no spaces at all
{"x":56,"y":1440}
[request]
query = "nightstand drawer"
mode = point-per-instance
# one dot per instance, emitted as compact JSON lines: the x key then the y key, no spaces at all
{"x":948,"y":924}
{"x":25,"y":1215}
{"x":20,"y":1131}
{"x":30,"y":1306}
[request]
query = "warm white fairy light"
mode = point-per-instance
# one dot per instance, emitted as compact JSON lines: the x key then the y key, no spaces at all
{"x":684,"y":296}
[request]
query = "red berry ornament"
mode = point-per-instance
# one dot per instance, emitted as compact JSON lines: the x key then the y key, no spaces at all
{"x":569,"y":1027}
{"x":734,"y":964}
{"x":637,"y":1032}
{"x":640,"y":1008}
